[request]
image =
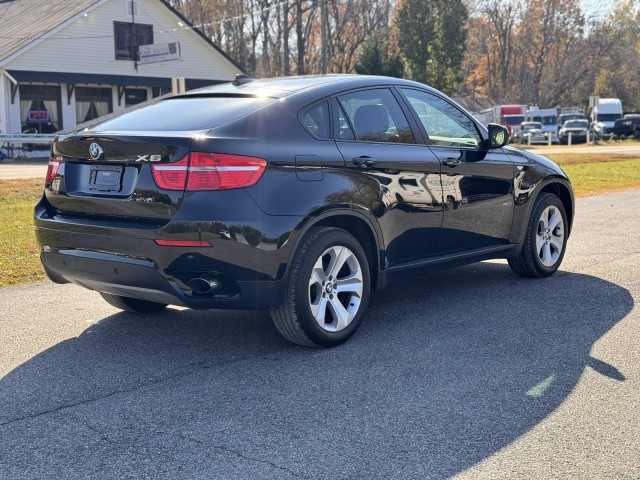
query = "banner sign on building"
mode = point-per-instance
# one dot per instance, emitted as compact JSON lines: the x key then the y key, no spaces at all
{"x":159,"y":52}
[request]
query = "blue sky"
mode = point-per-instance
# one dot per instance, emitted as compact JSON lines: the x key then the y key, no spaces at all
{"x":597,"y":7}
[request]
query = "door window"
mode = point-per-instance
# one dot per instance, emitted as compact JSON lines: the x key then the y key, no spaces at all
{"x":446,"y":125}
{"x":376,"y":116}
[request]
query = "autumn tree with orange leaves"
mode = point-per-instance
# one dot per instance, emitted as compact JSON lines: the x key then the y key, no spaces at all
{"x":545,"y":52}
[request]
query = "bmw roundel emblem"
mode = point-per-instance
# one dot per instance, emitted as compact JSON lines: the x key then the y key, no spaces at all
{"x":96,"y":151}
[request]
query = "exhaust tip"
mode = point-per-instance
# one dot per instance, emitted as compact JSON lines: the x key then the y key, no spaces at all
{"x":205,"y":285}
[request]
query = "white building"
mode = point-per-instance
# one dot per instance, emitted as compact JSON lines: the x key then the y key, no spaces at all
{"x":64,"y":62}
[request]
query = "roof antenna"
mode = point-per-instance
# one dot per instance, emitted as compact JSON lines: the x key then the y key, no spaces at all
{"x":242,"y":79}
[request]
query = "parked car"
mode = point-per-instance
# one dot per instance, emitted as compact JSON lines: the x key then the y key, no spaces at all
{"x":571,"y":113}
{"x":629,"y":125}
{"x":576,"y":128}
{"x":530,"y":133}
{"x":304,"y":196}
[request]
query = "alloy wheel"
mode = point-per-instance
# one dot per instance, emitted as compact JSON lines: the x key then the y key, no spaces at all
{"x":335,"y":288}
{"x":550,"y":236}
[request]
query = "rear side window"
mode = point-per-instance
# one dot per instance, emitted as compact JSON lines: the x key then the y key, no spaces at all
{"x":185,"y":113}
{"x":316,"y":120}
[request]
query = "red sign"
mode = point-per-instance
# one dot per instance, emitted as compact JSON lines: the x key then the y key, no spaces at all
{"x":39,"y":116}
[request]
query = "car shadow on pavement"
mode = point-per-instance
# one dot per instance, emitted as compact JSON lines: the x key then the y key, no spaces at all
{"x":445,"y":371}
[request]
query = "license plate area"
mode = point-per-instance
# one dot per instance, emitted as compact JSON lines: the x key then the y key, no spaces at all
{"x":105,"y":178}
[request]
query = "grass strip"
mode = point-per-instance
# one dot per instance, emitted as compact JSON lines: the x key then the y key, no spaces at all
{"x":598,"y":178}
{"x":19,"y":260}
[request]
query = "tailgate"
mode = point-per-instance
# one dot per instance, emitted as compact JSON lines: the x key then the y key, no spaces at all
{"x":111,"y":176}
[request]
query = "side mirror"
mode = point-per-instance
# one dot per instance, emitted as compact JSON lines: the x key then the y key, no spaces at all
{"x":498,"y":136}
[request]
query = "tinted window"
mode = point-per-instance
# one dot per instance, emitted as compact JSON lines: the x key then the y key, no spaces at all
{"x":376,"y":116}
{"x":316,"y":119}
{"x":445,"y":124}
{"x":186,"y":114}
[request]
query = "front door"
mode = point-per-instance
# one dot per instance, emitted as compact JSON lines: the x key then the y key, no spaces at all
{"x":477,"y":184}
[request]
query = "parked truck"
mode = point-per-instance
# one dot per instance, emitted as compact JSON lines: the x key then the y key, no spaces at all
{"x":570,"y":113}
{"x":604,"y":114}
{"x":627,"y":126}
{"x":511,"y":116}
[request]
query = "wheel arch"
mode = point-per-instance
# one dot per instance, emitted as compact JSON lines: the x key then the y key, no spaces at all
{"x":557,"y":186}
{"x":564,"y":193}
{"x":358,"y":225}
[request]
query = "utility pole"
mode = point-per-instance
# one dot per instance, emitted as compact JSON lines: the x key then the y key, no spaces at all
{"x":134,"y":39}
{"x":323,"y":23}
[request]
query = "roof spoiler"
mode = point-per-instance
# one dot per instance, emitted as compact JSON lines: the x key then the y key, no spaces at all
{"x":242,"y":79}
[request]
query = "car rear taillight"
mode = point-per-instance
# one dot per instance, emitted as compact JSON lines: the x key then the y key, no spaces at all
{"x":172,"y":176}
{"x":52,"y":170}
{"x":209,"y":171}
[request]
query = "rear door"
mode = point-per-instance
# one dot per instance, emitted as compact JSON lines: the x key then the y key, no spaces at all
{"x":397,"y":175}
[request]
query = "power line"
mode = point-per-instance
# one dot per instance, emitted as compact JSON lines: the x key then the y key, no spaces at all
{"x":170,"y":30}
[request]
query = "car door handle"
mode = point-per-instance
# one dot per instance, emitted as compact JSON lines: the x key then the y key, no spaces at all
{"x":364,"y":161}
{"x":451,"y":162}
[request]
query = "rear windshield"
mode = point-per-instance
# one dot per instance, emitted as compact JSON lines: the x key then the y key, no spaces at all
{"x":545,"y":120}
{"x":513,"y":119}
{"x":608,"y":117}
{"x":185,"y":114}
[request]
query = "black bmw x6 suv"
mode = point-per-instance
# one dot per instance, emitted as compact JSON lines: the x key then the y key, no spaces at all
{"x":301,"y":195}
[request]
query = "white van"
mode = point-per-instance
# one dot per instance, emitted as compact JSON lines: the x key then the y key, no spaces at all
{"x":604,"y":115}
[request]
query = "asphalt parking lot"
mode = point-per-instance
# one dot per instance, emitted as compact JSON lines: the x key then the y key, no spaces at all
{"x":468,"y":373}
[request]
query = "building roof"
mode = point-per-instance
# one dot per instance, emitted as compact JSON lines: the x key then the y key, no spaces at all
{"x":23,"y":21}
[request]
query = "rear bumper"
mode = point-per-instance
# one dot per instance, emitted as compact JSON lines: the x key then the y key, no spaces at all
{"x":247,"y":256}
{"x":140,"y":278}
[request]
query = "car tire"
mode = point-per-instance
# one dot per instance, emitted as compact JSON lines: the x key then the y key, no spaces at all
{"x":327,"y":291}
{"x":450,"y":204}
{"x":133,"y":305}
{"x":545,"y":239}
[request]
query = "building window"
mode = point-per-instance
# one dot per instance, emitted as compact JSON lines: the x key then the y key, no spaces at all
{"x":134,"y":96}
{"x":160,"y":91}
{"x":93,"y":103}
{"x":124,"y":34}
{"x":40,"y":109}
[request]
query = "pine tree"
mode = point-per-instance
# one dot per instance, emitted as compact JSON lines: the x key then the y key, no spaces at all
{"x":431,"y":38}
{"x":376,"y":59}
